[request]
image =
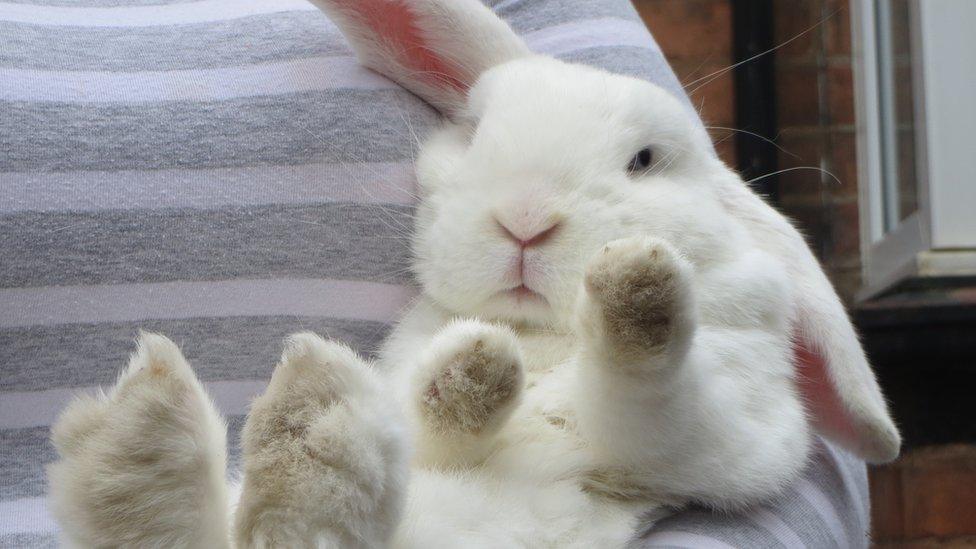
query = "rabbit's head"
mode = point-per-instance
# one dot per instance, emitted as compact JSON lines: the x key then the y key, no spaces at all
{"x":541,"y":163}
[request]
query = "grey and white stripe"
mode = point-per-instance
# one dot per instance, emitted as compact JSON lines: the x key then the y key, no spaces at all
{"x":143,"y":14}
{"x":209,"y":188}
{"x":282,"y":37}
{"x":287,"y":129}
{"x":272,"y":37}
{"x":256,"y":242}
{"x":222,"y":348}
{"x":224,"y":172}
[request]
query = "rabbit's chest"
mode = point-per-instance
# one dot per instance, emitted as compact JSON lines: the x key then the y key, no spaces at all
{"x":541,"y":429}
{"x":548,"y":362}
{"x":543,"y":350}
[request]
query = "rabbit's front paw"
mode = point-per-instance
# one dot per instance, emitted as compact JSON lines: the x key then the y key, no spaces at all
{"x":637,"y":297}
{"x":471,"y":379}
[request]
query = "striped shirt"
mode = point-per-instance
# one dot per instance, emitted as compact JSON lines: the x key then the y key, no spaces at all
{"x":224,"y":172}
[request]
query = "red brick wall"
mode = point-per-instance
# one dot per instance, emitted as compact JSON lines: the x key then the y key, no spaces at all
{"x":815,"y":110}
{"x":926,"y":499}
{"x":696,"y":37}
{"x":814,"y":103}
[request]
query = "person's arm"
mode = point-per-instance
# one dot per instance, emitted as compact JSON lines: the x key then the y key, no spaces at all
{"x":828,"y":507}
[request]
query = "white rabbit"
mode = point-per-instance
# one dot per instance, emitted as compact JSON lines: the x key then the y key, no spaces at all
{"x":610,"y":321}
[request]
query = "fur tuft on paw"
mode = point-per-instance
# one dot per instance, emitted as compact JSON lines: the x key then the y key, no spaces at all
{"x":470,"y":380}
{"x":144,"y":465}
{"x":637,"y":298}
{"x":324,"y":453}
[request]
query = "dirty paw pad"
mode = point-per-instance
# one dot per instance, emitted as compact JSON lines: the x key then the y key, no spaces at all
{"x":639,"y":286}
{"x":474,"y":374}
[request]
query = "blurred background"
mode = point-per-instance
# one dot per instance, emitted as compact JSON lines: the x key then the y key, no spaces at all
{"x":854,"y":127}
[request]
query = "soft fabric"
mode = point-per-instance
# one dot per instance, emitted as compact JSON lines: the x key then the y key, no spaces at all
{"x":224,"y":172}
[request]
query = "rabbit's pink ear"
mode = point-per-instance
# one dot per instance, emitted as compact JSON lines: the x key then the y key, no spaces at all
{"x":821,"y":398}
{"x":435,"y":48}
{"x":841,"y":393}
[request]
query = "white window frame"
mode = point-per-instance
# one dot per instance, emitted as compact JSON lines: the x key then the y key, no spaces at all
{"x":939,"y":239}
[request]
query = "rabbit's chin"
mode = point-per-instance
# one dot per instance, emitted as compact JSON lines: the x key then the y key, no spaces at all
{"x":520,"y":306}
{"x":517,"y":307}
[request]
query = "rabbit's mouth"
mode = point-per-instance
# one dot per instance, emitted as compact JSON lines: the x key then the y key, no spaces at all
{"x":524,"y":294}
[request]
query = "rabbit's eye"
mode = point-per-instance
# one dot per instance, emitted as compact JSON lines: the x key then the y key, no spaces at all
{"x":641,"y":161}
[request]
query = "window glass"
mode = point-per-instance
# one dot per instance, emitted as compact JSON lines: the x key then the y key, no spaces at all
{"x":896,"y":100}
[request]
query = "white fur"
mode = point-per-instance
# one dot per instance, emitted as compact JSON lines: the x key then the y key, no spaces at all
{"x":653,"y":365}
{"x":144,"y":465}
{"x":324,"y":456}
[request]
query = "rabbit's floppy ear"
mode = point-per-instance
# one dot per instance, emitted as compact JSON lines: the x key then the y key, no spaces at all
{"x":435,"y":48}
{"x":833,"y":375}
{"x":835,"y":379}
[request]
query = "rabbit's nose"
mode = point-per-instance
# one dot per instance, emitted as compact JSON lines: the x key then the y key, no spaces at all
{"x":526,"y":236}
